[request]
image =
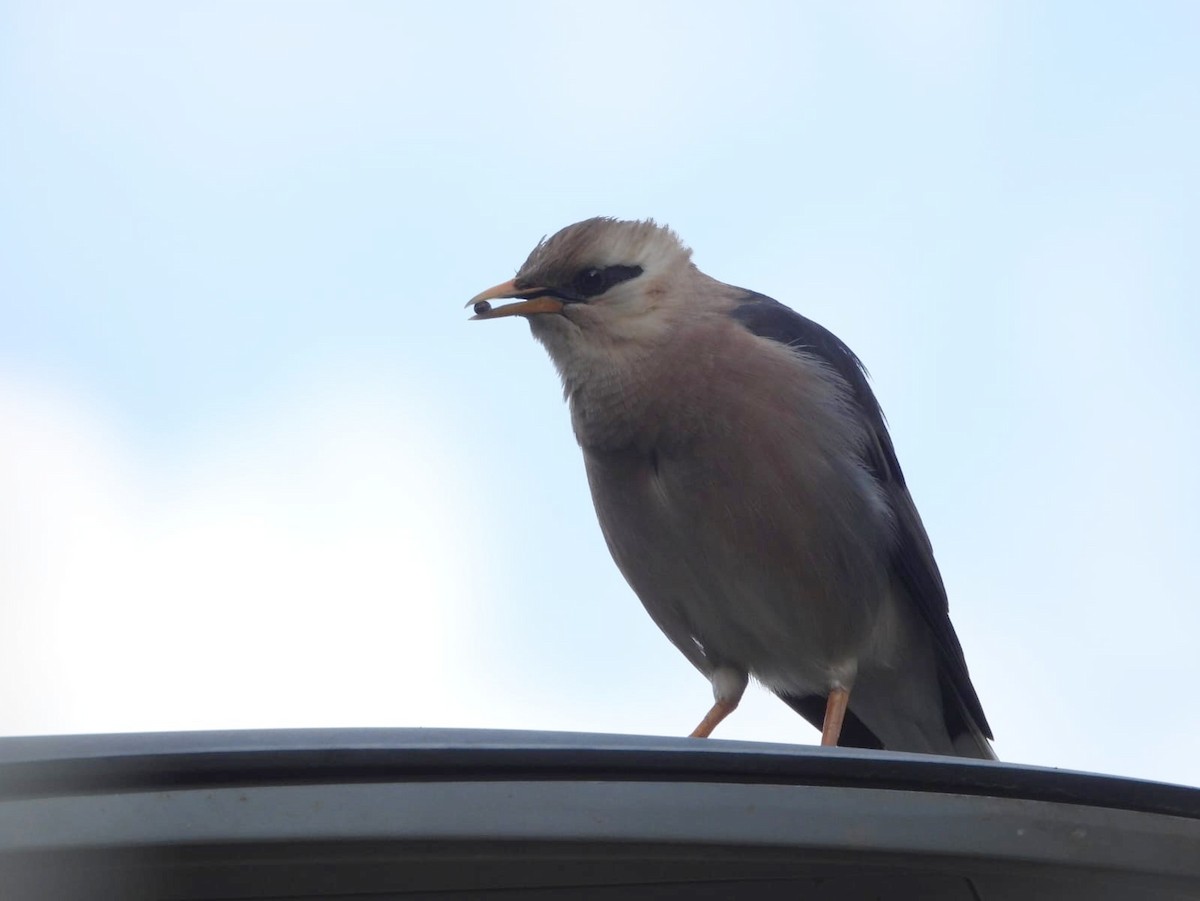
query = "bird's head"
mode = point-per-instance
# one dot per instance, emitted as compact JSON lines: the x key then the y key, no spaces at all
{"x":593,"y":283}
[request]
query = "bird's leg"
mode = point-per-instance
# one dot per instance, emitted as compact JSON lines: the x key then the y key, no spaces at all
{"x":728,"y":685}
{"x":835,"y":712}
{"x":718,"y":712}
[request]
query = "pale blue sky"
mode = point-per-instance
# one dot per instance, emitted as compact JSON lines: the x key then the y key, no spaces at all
{"x":257,"y":469}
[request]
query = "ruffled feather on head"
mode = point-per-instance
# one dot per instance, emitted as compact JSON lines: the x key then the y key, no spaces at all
{"x":598,"y":243}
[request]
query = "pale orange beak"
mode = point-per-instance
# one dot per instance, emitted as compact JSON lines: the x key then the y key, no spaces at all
{"x":532,"y":302}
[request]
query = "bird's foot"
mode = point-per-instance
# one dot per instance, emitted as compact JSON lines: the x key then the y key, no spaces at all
{"x":835,"y":713}
{"x":719,"y":711}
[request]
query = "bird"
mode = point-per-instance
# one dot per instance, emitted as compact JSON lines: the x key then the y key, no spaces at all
{"x":748,"y":489}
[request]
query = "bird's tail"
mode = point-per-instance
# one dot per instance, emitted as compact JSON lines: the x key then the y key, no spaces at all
{"x":965,"y":733}
{"x":876,"y":721}
{"x":972,"y":743}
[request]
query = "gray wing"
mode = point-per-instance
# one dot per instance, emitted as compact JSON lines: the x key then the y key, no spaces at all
{"x":912,"y":556}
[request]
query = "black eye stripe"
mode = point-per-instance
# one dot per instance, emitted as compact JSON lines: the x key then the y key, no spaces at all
{"x":593,"y":282}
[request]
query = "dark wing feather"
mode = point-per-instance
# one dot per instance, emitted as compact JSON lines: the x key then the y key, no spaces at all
{"x":912,"y":556}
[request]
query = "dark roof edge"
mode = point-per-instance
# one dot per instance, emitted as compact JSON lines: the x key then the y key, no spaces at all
{"x":41,"y":766}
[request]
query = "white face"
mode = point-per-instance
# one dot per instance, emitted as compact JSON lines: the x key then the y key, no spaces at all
{"x":624,"y":313}
{"x":632,"y":310}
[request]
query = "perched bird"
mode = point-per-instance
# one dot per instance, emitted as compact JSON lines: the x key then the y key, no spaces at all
{"x":747,"y":488}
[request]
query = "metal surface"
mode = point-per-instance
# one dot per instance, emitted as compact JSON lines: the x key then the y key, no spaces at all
{"x":397,"y":813}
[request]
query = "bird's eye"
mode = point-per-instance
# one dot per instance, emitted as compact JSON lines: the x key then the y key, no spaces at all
{"x":590,"y":282}
{"x":594,"y":282}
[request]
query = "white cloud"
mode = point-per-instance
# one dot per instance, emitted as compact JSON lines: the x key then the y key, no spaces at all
{"x":299,"y":570}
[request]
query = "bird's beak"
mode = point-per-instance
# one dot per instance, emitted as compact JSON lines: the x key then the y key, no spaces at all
{"x":532,"y":301}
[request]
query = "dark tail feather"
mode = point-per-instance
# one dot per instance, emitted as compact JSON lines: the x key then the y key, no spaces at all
{"x":854,"y":733}
{"x":966,"y":738}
